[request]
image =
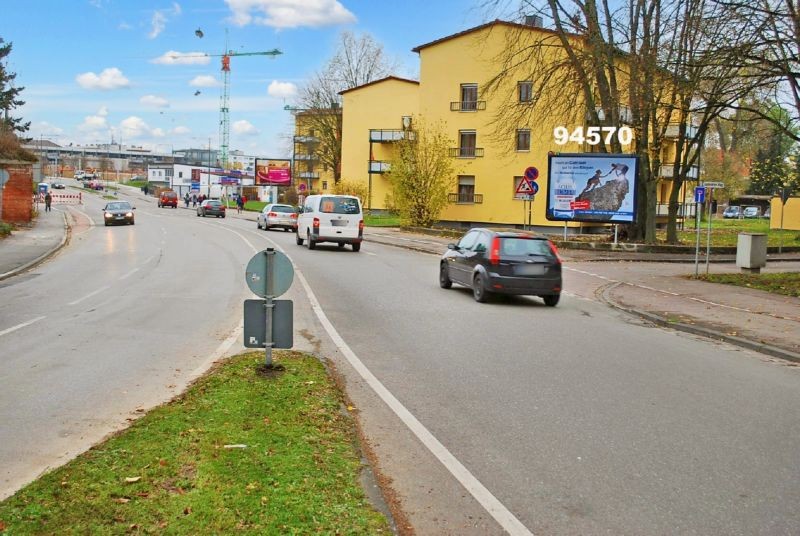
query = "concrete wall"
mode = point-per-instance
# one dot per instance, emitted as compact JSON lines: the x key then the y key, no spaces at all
{"x":17,"y":193}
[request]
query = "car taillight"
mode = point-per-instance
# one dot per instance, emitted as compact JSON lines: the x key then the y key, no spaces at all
{"x":315,"y":224}
{"x":360,"y":225}
{"x":271,"y":215}
{"x":494,"y":251}
{"x":294,"y":216}
{"x":554,"y":249}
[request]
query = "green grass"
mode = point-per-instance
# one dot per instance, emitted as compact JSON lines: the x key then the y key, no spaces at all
{"x":787,"y":284}
{"x":725,"y":232}
{"x":171,"y":473}
{"x":135,"y":184}
{"x":381,"y":220}
{"x":5,"y":229}
{"x":255,"y":206}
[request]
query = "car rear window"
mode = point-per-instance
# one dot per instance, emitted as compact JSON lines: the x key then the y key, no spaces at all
{"x":214,"y":204}
{"x":169,"y":194}
{"x":339,"y":205}
{"x":524,"y":246}
{"x":282,"y":208}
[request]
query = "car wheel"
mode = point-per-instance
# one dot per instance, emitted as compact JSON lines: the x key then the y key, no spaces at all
{"x":479,"y":291}
{"x":223,"y":216}
{"x":258,"y":224}
{"x":444,"y":276}
{"x":132,"y":222}
{"x":357,"y":247}
{"x":551,"y":301}
{"x":297,"y":239}
{"x":311,"y":244}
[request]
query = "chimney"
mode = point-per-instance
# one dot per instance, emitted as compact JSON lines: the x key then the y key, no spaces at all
{"x":534,"y":21}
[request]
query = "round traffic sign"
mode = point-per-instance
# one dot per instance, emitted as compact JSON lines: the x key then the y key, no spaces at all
{"x":301,"y":187}
{"x":531,"y":173}
{"x":535,"y":186}
{"x":266,"y":263}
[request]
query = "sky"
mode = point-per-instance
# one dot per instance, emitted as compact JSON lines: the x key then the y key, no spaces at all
{"x":94,"y":70}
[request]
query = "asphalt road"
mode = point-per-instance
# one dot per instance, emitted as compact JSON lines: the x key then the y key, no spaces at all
{"x":574,"y":420}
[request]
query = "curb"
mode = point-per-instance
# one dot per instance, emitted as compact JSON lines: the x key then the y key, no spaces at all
{"x":767,"y":349}
{"x":39,"y":260}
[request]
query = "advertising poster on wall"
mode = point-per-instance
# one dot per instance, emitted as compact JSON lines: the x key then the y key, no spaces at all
{"x":592,"y":187}
{"x":273,"y":172}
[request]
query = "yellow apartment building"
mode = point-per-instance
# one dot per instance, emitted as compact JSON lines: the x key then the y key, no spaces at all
{"x":453,"y":73}
{"x":309,"y":173}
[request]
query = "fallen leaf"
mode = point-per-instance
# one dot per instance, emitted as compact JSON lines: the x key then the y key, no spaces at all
{"x":132,"y":479}
{"x":122,"y":500}
{"x":133,"y":527}
{"x":237,"y":446}
{"x":2,"y":525}
{"x":162,"y":462}
{"x":350,"y":408}
{"x":310,"y":382}
{"x":187,"y":510}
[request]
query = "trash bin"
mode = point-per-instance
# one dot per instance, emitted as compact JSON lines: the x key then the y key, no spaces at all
{"x":751,"y":252}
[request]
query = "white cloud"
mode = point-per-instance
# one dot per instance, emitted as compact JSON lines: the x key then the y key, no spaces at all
{"x":244,"y":128}
{"x":124,"y":26}
{"x":159,"y":20}
{"x":43,"y":127}
{"x":103,"y":111}
{"x":157,"y":132}
{"x":154,"y":100}
{"x":205,"y":80}
{"x":182,"y":58}
{"x":289,"y":13}
{"x":93,"y":123}
{"x":111,"y":78}
{"x":134,"y":127}
{"x":181,"y":130}
{"x":281,"y":89}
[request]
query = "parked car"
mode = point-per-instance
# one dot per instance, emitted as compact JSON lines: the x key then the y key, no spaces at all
{"x":280,"y":216}
{"x":766,"y":214}
{"x":118,"y":212}
{"x":331,"y":218}
{"x":732,"y":211}
{"x":211,"y":207}
{"x":59,"y":186}
{"x":751,"y":212}
{"x":168,"y":198}
{"x":93,"y":185}
{"x":503,"y":262}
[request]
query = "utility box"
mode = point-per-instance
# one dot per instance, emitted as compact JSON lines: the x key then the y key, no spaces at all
{"x":751,"y":252}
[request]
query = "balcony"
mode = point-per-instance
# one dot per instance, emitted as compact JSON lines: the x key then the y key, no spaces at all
{"x":390,"y":135}
{"x":667,"y":170}
{"x":378,"y":166}
{"x":305,"y":157}
{"x":465,"y":199}
{"x":466,"y":152}
{"x":308,"y":175}
{"x":673,"y":131}
{"x":306,"y":139}
{"x":467,"y":106}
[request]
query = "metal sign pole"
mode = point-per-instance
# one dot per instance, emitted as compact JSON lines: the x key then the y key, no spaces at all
{"x":530,"y":209}
{"x":708,"y":238}
{"x":269,"y":305}
{"x":697,"y":242}
{"x":616,"y":235}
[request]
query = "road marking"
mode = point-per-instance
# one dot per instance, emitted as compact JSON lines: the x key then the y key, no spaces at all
{"x":490,"y":503}
{"x":370,"y":254}
{"x":91,"y":221}
{"x":129,"y":274}
{"x":20,"y":326}
{"x":96,"y":292}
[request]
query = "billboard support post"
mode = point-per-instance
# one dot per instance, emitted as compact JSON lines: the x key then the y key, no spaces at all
{"x":616,"y":234}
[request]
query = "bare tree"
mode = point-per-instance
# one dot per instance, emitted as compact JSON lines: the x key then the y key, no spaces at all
{"x":358,"y":60}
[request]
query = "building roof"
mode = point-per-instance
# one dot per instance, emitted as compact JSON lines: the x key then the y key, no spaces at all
{"x":380,"y":81}
{"x":496,"y":22}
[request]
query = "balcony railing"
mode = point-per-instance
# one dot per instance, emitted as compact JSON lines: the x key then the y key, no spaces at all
{"x":465,"y":199}
{"x":466,"y":152}
{"x":308,"y":175}
{"x":667,"y":170}
{"x":685,"y":210}
{"x":378,"y":166}
{"x":305,"y":157}
{"x":674,"y":129}
{"x":390,"y":135}
{"x":467,"y":106}
{"x":306,"y":139}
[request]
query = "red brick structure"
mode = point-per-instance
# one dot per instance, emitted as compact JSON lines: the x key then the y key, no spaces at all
{"x":17,"y":203}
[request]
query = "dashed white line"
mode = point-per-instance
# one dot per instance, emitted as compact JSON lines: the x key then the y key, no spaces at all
{"x":126,"y":276}
{"x":20,"y":326}
{"x":96,"y":292}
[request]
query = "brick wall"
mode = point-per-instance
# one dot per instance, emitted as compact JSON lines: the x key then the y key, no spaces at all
{"x":18,"y":192}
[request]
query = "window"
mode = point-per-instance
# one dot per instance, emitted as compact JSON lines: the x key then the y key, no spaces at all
{"x":469,"y":240}
{"x":523,"y":139}
{"x":339,"y":205}
{"x":324,"y":185}
{"x":525,"y":91}
{"x":466,"y":189}
{"x":180,"y":174}
{"x":467,"y":140}
{"x":469,"y":96}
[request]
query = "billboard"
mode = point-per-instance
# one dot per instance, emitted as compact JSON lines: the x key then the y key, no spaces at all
{"x":273,"y":172}
{"x":592,"y":187}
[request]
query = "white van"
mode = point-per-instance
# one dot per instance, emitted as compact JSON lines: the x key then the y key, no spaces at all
{"x":331,"y":218}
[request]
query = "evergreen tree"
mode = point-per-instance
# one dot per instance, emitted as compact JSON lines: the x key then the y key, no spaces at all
{"x":9,"y":95}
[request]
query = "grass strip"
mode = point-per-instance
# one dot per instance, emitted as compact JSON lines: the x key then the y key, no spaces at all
{"x":238,"y":452}
{"x":787,"y":284}
{"x":381,"y":220}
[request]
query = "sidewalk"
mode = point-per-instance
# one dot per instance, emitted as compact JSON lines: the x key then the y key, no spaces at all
{"x":653,"y":286}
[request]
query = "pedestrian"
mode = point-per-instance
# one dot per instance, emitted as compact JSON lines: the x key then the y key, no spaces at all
{"x":239,"y":205}
{"x":194,"y":200}
{"x":186,"y":199}
{"x":47,"y":200}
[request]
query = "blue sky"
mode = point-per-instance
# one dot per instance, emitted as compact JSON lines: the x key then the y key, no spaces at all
{"x":90,"y":68}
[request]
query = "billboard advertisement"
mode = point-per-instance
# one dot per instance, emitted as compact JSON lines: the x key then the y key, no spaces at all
{"x":273,"y":172}
{"x":592,"y":187}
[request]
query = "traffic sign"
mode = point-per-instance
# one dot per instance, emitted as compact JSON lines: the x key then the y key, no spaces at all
{"x":526,"y":188}
{"x":531,"y":173}
{"x":256,"y":318}
{"x":699,"y":194}
{"x":269,"y":273}
{"x":713,"y":184}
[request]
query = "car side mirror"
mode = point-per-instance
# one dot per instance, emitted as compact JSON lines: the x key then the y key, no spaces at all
{"x":452,"y":246}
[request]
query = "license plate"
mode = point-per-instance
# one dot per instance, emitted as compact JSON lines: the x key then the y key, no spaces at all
{"x":339,"y":223}
{"x":529,"y":269}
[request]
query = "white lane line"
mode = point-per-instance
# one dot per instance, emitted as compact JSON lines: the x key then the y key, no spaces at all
{"x":370,"y":254}
{"x":490,"y":503}
{"x":20,"y":326}
{"x":91,"y":221}
{"x":126,"y":276}
{"x":96,"y":292}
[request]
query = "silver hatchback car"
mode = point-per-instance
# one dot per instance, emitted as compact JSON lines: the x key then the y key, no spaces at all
{"x":278,"y":216}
